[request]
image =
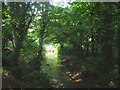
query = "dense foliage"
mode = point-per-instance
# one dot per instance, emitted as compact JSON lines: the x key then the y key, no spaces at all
{"x":86,"y":30}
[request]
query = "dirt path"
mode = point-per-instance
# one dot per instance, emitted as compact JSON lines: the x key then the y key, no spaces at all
{"x":76,"y":76}
{"x":64,"y":75}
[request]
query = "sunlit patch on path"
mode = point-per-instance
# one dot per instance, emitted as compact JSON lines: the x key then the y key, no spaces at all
{"x":74,"y":77}
{"x":58,"y":73}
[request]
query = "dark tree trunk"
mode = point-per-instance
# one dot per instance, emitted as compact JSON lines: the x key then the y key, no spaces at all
{"x":87,"y":49}
{"x":92,"y":44}
{"x":17,"y":44}
{"x":41,"y":44}
{"x":43,"y":27}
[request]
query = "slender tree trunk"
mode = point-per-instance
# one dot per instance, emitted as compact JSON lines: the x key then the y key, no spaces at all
{"x":17,"y":44}
{"x":87,"y":48}
{"x":43,"y":27}
{"x":61,"y":46}
{"x":41,"y":44}
{"x":92,"y":44}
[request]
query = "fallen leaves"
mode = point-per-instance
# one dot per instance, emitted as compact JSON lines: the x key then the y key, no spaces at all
{"x":74,"y":77}
{"x":78,"y":80}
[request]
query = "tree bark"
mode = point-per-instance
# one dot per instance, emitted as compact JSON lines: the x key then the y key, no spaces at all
{"x":43,"y":27}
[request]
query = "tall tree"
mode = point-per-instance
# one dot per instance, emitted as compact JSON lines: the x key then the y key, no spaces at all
{"x":19,"y":16}
{"x":43,"y":25}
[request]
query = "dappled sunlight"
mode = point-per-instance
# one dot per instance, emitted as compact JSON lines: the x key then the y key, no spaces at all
{"x":78,"y":80}
{"x":51,"y":49}
{"x":52,"y":64}
{"x":70,"y":74}
{"x":59,"y":44}
{"x":59,"y":74}
{"x":77,"y":74}
{"x":74,"y":77}
{"x":69,"y":79}
{"x":54,"y":80}
{"x":67,"y":72}
{"x":60,"y":3}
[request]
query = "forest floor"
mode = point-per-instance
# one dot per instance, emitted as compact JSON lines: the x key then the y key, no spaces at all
{"x":64,"y":72}
{"x":76,"y":76}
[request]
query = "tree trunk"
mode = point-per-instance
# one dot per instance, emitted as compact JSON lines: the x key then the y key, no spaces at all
{"x":41,"y":44}
{"x":43,"y":27}
{"x":92,"y":44}
{"x":17,"y":44}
